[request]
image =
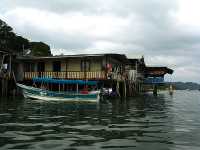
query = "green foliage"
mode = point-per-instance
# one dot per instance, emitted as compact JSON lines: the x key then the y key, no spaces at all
{"x":40,"y":49}
{"x":11,"y":42}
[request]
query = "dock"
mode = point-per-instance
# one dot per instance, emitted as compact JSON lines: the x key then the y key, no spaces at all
{"x":123,"y":76}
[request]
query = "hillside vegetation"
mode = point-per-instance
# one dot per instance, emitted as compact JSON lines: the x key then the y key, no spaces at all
{"x":11,"y":42}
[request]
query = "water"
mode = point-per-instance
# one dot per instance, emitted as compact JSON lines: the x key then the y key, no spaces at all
{"x":163,"y":123}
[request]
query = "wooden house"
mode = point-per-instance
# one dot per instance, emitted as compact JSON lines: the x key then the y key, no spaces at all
{"x":155,"y":75}
{"x":87,"y":67}
{"x":115,"y":71}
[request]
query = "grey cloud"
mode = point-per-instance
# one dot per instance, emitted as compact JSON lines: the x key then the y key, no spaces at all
{"x":58,"y":40}
{"x":152,"y":29}
{"x":57,"y":6}
{"x":125,"y":7}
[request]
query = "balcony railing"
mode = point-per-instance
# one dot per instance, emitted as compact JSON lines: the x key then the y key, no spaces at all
{"x":66,"y":75}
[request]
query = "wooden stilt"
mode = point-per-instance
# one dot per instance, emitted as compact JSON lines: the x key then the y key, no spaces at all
{"x":125,"y":91}
{"x":59,"y":87}
{"x":155,"y":90}
{"x":171,"y":89}
{"x":118,"y":88}
{"x":77,"y":88}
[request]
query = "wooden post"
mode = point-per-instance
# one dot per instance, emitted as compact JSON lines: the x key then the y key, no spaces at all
{"x":10,"y":65}
{"x":66,"y":75}
{"x":2,"y":86}
{"x":133,"y":88}
{"x":59,"y":87}
{"x":77,"y":88}
{"x":118,"y":88}
{"x":171,"y":89}
{"x":130,"y":88}
{"x":6,"y":86}
{"x":125,"y":89}
{"x":136,"y":89}
{"x":14,"y":78}
{"x":155,"y":90}
{"x":139,"y":87}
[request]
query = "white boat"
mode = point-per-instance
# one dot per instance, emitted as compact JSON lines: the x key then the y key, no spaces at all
{"x":44,"y":94}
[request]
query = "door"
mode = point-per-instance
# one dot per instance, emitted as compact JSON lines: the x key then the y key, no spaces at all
{"x":56,"y":66}
{"x":85,"y":65}
{"x":40,"y":68}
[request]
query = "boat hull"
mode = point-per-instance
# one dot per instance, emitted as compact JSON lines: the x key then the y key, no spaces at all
{"x":41,"y":94}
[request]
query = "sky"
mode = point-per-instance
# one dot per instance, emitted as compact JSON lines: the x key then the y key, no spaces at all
{"x":165,"y":32}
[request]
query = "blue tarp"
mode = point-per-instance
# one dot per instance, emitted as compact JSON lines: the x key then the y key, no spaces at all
{"x":62,"y":81}
{"x":154,"y":80}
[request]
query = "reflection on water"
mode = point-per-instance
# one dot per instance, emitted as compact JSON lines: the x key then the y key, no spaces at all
{"x":146,"y":122}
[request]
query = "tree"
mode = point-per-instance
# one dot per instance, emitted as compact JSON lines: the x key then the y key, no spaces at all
{"x":9,"y":41}
{"x":6,"y":35}
{"x":19,"y":43}
{"x":40,"y":49}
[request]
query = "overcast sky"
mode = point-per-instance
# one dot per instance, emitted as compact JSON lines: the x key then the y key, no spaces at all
{"x":166,"y":32}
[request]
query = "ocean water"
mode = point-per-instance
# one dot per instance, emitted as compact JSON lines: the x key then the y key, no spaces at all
{"x":144,"y":123}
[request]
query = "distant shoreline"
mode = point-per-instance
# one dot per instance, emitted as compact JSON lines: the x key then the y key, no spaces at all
{"x":185,"y":85}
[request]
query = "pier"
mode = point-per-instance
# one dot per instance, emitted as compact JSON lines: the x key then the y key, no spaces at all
{"x":116,"y":74}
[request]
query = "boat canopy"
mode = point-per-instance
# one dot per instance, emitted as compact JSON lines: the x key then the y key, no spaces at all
{"x":62,"y":81}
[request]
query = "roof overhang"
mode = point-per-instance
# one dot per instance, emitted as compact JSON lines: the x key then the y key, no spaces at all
{"x":119,"y":57}
{"x":158,"y":71}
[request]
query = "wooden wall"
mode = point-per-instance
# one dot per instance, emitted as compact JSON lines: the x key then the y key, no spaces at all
{"x":73,"y":65}
{"x":96,"y":65}
{"x":48,"y":66}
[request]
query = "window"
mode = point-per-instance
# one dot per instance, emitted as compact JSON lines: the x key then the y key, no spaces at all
{"x":41,"y":67}
{"x":29,"y":67}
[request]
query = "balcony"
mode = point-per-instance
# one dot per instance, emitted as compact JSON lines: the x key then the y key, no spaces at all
{"x":99,"y":75}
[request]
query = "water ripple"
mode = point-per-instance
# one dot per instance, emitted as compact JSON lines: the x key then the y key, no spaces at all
{"x":145,"y":122}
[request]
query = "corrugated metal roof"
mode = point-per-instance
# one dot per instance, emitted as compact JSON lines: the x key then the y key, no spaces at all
{"x":68,"y":56}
